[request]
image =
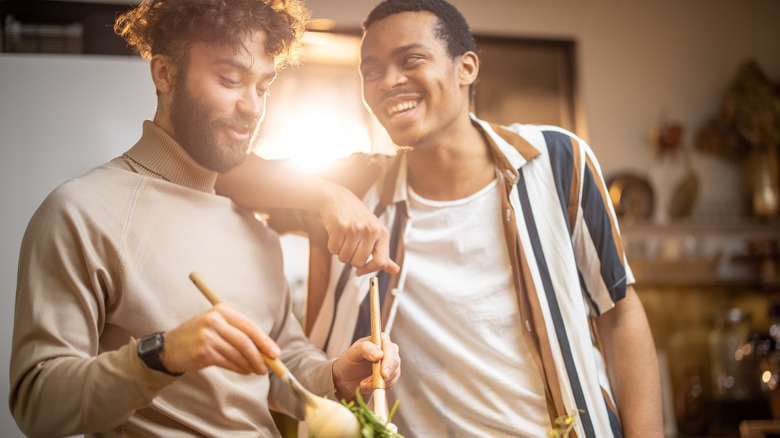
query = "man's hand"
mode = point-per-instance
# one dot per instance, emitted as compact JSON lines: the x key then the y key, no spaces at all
{"x":222,"y":337}
{"x":353,"y":368}
{"x":354,"y":233}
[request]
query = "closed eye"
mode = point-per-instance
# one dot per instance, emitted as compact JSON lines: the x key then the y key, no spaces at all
{"x":229,"y":82}
{"x":411,"y":60}
{"x":369,"y":73}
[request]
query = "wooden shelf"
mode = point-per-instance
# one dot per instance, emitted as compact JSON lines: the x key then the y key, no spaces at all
{"x":744,"y":253}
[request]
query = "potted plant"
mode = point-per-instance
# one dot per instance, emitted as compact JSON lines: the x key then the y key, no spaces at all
{"x":747,"y":129}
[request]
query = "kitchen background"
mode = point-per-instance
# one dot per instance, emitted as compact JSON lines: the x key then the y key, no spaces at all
{"x":638,"y":80}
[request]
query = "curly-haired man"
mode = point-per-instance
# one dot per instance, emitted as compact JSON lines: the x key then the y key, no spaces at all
{"x":110,"y":337}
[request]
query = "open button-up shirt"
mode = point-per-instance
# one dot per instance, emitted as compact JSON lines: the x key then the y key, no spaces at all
{"x":565,"y":251}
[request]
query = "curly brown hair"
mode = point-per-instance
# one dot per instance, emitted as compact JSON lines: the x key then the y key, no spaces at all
{"x":168,"y":26}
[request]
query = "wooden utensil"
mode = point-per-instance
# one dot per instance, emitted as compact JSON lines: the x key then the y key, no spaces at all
{"x":325,"y":418}
{"x":379,"y":397}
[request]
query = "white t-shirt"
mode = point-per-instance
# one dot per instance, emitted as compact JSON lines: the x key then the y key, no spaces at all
{"x":466,"y":369}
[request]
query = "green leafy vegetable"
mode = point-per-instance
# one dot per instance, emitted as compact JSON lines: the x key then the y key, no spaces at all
{"x":370,"y":425}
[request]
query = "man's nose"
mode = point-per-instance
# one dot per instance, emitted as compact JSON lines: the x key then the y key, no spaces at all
{"x":392,"y":78}
{"x":252,"y":103}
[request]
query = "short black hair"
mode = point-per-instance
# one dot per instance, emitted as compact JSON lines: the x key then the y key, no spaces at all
{"x":450,"y":28}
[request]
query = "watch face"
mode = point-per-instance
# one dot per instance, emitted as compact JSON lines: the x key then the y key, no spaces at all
{"x":149,"y":344}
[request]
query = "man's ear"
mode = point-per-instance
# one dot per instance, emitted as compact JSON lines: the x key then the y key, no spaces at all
{"x":469,"y":68}
{"x":163,"y":73}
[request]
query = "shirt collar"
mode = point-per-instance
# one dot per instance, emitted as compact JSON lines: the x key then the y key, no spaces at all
{"x":163,"y":157}
{"x":509,"y":150}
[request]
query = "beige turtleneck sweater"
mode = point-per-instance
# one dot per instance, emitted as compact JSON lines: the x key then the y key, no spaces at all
{"x":104,"y":261}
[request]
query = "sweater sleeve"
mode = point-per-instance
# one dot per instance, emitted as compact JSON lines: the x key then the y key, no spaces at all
{"x":305,"y":361}
{"x":61,"y":383}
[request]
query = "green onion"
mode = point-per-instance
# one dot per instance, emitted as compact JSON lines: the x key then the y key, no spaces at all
{"x":370,"y":425}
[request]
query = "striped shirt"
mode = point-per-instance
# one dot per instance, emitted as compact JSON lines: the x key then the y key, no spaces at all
{"x":565,"y":252}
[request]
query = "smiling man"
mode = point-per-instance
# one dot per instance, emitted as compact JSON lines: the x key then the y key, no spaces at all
{"x":514,"y":305}
{"x":110,"y":337}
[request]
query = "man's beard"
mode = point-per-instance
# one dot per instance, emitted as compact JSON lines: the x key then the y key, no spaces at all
{"x":197,"y":130}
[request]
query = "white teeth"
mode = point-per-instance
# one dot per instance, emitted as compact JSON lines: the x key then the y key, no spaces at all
{"x":395,"y":109}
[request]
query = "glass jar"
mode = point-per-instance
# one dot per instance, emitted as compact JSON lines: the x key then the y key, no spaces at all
{"x":733,"y":376}
{"x":761,"y":180}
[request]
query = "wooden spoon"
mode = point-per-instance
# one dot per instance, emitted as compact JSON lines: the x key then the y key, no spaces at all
{"x":325,"y":418}
{"x":379,"y":397}
{"x":380,"y":400}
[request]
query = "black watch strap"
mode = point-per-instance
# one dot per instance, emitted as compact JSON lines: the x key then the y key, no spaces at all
{"x":149,"y":348}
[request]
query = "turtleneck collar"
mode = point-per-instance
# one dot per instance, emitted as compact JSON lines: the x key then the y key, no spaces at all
{"x":163,"y":157}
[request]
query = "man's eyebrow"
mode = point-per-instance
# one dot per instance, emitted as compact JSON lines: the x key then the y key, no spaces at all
{"x":231,"y":62}
{"x":397,"y":51}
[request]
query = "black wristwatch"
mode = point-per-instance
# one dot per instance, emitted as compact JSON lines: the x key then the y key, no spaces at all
{"x":149,"y":348}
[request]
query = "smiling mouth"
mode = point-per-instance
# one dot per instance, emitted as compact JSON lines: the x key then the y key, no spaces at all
{"x":401,"y":108}
{"x":239,"y":132}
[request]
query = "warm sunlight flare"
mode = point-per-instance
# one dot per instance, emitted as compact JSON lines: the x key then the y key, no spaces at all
{"x":315,"y":113}
{"x":313,"y":135}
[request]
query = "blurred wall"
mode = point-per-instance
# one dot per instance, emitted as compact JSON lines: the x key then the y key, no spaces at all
{"x":636,"y":60}
{"x":60,"y":116}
